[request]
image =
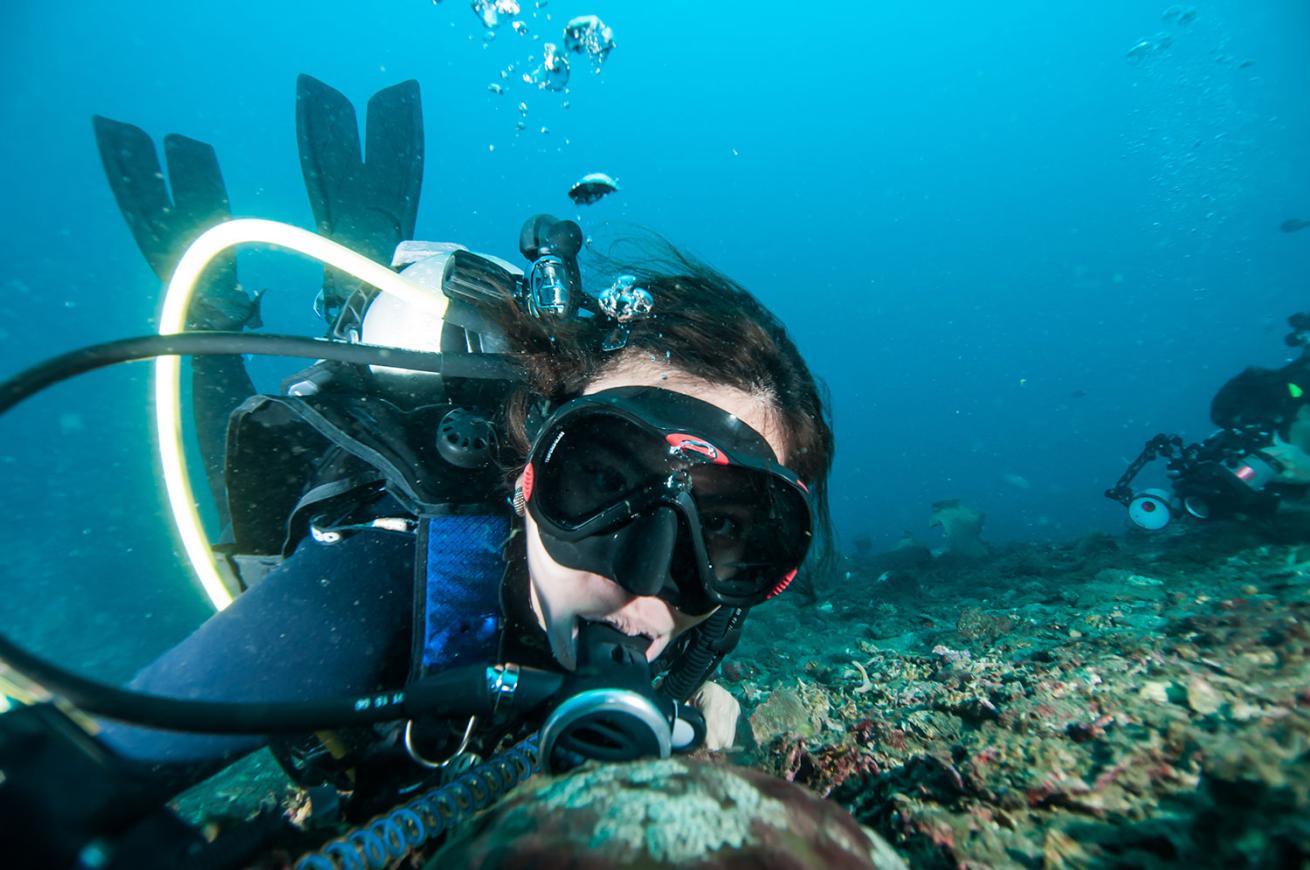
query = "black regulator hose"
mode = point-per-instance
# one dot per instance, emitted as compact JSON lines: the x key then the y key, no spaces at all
{"x":714,"y":639}
{"x":69,"y":365}
{"x":472,"y":690}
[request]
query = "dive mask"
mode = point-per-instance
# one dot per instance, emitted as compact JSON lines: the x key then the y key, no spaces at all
{"x":668,"y":496}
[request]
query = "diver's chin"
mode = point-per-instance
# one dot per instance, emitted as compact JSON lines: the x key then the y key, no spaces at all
{"x":564,"y":645}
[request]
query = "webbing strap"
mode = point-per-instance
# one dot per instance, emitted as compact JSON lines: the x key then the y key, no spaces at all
{"x":459,"y":589}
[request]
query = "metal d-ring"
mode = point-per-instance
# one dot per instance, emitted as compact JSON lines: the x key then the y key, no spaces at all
{"x":429,"y":763}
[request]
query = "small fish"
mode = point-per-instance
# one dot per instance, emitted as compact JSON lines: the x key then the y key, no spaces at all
{"x":1291,"y":225}
{"x":1017,"y":481}
{"x":592,"y":187}
{"x":1184,"y":15}
{"x":1140,"y":50}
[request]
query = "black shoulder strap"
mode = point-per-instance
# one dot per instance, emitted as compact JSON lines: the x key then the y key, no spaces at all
{"x":286,"y":453}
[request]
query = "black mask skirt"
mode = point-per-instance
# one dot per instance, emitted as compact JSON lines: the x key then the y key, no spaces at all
{"x":667,"y":495}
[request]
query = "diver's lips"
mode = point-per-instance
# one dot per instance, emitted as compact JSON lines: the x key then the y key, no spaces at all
{"x":618,"y":626}
{"x":654,"y":645}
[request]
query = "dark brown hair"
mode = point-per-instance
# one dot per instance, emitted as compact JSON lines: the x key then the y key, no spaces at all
{"x":703,"y":324}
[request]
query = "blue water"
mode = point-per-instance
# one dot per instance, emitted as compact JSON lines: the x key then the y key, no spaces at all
{"x":1012,"y":251}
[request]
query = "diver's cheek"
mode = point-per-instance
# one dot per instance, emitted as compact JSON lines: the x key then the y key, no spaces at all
{"x":557,"y":595}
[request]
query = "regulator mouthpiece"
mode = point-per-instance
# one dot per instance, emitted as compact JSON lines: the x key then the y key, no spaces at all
{"x":613,"y":714}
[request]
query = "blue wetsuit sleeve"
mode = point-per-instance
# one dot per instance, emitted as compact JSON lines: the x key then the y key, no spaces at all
{"x":331,"y":620}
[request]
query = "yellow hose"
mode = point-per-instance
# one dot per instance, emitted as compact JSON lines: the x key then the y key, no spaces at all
{"x":168,"y":369}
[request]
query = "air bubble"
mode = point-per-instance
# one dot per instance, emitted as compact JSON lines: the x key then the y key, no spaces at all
{"x":588,"y":35}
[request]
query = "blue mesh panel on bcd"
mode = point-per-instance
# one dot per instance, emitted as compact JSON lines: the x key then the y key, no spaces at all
{"x":461,"y":599}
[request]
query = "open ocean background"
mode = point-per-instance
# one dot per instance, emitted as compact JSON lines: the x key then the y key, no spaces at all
{"x":1013,"y":251}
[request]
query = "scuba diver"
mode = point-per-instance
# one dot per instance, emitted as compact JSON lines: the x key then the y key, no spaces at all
{"x":602,"y":507}
{"x":1256,"y":464}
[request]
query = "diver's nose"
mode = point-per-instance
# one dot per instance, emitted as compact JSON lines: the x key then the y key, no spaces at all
{"x":643,"y":565}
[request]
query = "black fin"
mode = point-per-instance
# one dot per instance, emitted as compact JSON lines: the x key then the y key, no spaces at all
{"x":199,"y":195}
{"x":330,"y":157}
{"x":162,"y":225}
{"x":364,"y":199}
{"x":165,"y":225}
{"x":200,"y":202}
{"x":393,"y":156}
{"x":137,"y":181}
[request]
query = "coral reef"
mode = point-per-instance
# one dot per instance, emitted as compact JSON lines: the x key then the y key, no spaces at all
{"x":1136,"y":703}
{"x":670,"y":813}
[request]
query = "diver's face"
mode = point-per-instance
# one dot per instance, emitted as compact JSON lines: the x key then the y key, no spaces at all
{"x":563,"y":597}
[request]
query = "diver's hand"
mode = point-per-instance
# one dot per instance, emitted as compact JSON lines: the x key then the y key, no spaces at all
{"x":721,"y":711}
{"x":1295,"y":462}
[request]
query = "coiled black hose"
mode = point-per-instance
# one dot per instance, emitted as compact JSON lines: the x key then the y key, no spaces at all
{"x":393,"y":835}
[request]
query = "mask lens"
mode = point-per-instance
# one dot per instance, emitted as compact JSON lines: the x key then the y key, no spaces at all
{"x":756,"y":528}
{"x":594,"y":463}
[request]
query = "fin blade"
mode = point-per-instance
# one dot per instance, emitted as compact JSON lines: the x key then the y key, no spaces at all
{"x":327,"y":133}
{"x":394,"y":156}
{"x":200,"y":201}
{"x":137,"y":181}
{"x":199,"y":194}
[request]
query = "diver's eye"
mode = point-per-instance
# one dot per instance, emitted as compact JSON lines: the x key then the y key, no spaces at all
{"x":720,"y":526}
{"x":604,"y":480}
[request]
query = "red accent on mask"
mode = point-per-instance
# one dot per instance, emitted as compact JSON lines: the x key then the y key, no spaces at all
{"x":527,"y":483}
{"x":692,"y":444}
{"x":786,"y":581}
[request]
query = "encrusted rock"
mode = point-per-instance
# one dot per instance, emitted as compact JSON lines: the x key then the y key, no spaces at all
{"x":787,"y":713}
{"x":1154,"y":691}
{"x":974,"y":624}
{"x":1202,"y":697}
{"x":667,"y":813}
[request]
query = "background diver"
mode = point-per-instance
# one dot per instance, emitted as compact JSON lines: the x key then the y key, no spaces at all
{"x":660,"y":470}
{"x":1255,"y":464}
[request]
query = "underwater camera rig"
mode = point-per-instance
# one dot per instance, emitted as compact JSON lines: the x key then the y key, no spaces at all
{"x":1223,"y":476}
{"x":67,"y":801}
{"x":1226,"y":475}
